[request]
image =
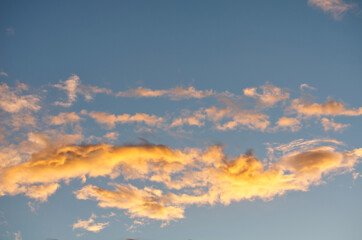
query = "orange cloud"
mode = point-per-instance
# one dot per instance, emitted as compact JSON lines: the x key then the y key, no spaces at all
{"x":335,"y":7}
{"x":189,"y":176}
{"x":329,"y":108}
{"x":292,"y":123}
{"x":90,"y":225}
{"x":256,"y":121}
{"x":110,"y":120}
{"x":176,"y":93}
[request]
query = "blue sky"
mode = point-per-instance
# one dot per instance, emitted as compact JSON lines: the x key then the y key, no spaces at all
{"x":180,"y":120}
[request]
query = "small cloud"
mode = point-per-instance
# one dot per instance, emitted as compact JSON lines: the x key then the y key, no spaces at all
{"x":304,"y":85}
{"x":3,"y":74}
{"x":10,"y":31}
{"x":111,"y":135}
{"x":292,"y":123}
{"x":336,"y":8}
{"x":331,"y":125}
{"x":90,"y":225}
{"x":270,"y":95}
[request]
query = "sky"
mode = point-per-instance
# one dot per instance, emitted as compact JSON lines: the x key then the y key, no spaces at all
{"x":184,"y":120}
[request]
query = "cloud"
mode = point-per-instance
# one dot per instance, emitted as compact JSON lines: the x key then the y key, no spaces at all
{"x":328,"y":108}
{"x":111,"y":135}
{"x":90,"y":225}
{"x":72,"y":86}
{"x":64,"y":118}
{"x":270,"y":95}
{"x":331,"y":125}
{"x":41,"y":192}
{"x":176,"y":93}
{"x":195,"y":119}
{"x":336,"y":8}
{"x":141,"y":203}
{"x":304,"y":85}
{"x":255,"y":121}
{"x":17,"y":236}
{"x":190,"y":176}
{"x":3,"y":74}
{"x":12,"y":101}
{"x":110,"y":120}
{"x":292,"y":123}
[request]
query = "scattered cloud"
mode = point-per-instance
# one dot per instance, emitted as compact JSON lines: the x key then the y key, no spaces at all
{"x":12,"y":100}
{"x":331,"y":125}
{"x":90,"y":225}
{"x":336,"y":8}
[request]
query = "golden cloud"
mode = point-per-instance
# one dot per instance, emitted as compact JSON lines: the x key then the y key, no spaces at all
{"x":189,"y":176}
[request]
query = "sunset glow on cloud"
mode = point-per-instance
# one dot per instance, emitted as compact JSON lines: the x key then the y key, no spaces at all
{"x":125,"y":120}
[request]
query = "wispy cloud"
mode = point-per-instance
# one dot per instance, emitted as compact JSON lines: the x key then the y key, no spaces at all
{"x":3,"y":74}
{"x":90,"y":224}
{"x":12,"y":100}
{"x":73,"y":86}
{"x":331,"y":125}
{"x":176,"y":93}
{"x":336,"y":8}
{"x":10,"y":31}
{"x":110,"y":120}
{"x":270,"y":94}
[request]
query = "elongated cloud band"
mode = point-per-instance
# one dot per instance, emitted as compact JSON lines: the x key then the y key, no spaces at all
{"x":212,"y":176}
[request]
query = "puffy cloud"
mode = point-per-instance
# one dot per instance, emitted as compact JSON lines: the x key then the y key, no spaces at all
{"x":12,"y":101}
{"x":335,"y":7}
{"x":64,"y":118}
{"x":90,"y":225}
{"x":176,"y":93}
{"x":54,"y":164}
{"x":328,"y":108}
{"x":110,"y":120}
{"x":292,"y":123}
{"x":270,"y":95}
{"x":331,"y":125}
